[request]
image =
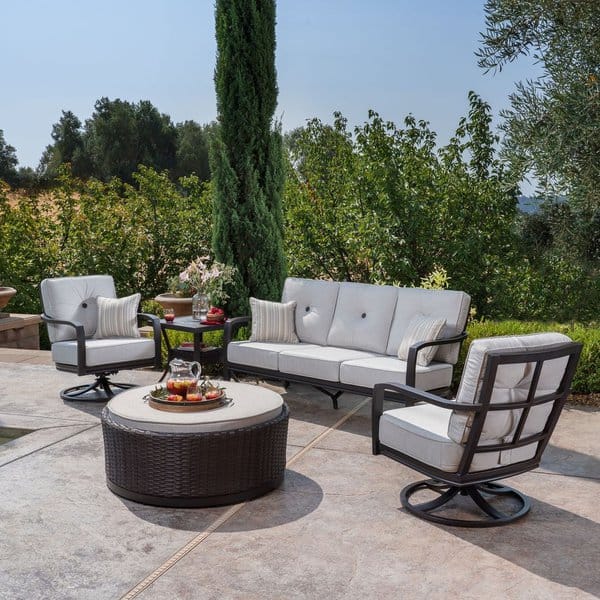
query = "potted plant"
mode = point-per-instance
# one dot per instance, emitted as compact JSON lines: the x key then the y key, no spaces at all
{"x":202,"y":283}
{"x":6,"y":293}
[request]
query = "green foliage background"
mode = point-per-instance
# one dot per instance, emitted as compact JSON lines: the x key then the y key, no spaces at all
{"x":140,"y":234}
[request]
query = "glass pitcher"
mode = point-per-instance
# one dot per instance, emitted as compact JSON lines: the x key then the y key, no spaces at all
{"x":183,"y":379}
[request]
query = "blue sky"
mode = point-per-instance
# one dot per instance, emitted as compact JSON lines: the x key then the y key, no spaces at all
{"x":394,"y":56}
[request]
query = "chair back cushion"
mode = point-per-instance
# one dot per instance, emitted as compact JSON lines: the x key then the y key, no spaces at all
{"x":450,"y":305}
{"x":315,"y":303}
{"x":74,"y":299}
{"x":511,"y":385}
{"x":362,"y":318}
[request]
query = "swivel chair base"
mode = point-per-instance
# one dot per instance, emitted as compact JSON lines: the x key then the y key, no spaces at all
{"x":492,"y":516}
{"x":101,"y":390}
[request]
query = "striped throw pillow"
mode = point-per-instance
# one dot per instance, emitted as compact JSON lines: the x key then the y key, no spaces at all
{"x":273,"y":321}
{"x":117,"y":317}
{"x":421,"y":329}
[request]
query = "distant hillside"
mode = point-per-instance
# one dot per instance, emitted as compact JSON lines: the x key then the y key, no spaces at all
{"x":529,"y":205}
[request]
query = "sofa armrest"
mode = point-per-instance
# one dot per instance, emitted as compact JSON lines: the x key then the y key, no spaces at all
{"x":231,"y":327}
{"x":411,"y":362}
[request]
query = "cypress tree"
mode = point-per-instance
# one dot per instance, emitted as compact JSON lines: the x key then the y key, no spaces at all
{"x":246,"y":152}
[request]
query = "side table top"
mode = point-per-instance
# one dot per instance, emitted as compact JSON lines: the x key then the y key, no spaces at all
{"x":190,"y":325}
{"x":251,"y":404}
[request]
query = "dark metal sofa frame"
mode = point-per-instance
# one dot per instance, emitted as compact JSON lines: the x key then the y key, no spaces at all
{"x":332,"y":389}
{"x":474,"y":484}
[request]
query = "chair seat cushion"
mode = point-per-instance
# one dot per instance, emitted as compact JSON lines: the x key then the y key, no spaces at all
{"x":366,"y":372}
{"x":105,"y":351}
{"x":421,"y":432}
{"x":318,"y":362}
{"x":262,"y":355}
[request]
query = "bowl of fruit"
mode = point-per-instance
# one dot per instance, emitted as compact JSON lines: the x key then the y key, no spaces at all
{"x":215,"y":315}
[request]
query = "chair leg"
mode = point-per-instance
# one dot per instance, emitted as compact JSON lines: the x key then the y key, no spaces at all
{"x":492,"y":516}
{"x":101,"y":390}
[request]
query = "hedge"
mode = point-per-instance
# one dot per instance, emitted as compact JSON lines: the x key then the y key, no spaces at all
{"x":587,"y":376}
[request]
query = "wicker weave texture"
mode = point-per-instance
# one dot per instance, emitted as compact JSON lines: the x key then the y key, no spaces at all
{"x":192,"y":465}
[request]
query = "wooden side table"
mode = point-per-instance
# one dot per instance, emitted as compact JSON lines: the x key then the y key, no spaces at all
{"x":197,"y":352}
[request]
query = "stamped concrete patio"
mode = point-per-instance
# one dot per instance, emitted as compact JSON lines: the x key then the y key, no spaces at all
{"x":334,"y":530}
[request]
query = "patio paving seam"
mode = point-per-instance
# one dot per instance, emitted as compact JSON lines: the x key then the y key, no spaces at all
{"x":9,"y":462}
{"x":197,"y":540}
{"x":543,"y":472}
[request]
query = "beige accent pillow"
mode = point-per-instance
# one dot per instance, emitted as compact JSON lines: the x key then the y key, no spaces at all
{"x":117,"y":317}
{"x":421,"y":329}
{"x":273,"y":321}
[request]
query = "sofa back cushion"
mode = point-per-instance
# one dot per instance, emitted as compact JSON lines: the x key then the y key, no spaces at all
{"x":74,"y":299}
{"x":511,"y":385}
{"x":449,"y":305}
{"x":363,"y":316}
{"x":315,"y":305}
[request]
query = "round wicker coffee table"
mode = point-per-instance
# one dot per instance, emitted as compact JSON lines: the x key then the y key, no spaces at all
{"x":195,"y":459}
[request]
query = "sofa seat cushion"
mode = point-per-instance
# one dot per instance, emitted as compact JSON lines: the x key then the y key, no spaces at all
{"x":366,"y":372}
{"x":421,"y":432}
{"x":105,"y":351}
{"x":318,"y":362}
{"x":262,"y":355}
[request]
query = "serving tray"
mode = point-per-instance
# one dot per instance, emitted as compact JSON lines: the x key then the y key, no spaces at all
{"x":157,"y":399}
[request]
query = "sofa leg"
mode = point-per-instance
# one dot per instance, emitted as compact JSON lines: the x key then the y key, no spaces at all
{"x":333,"y":395}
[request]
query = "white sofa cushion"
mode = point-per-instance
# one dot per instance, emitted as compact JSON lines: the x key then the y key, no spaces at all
{"x":117,"y":317}
{"x":105,"y":351}
{"x":74,"y":299}
{"x":315,"y":305}
{"x":439,"y":304}
{"x":421,"y":431}
{"x":263,"y":355}
{"x":366,"y":372}
{"x":273,"y":321}
{"x":318,"y":362}
{"x":421,"y":329}
{"x":362,"y":317}
{"x":511,"y":385}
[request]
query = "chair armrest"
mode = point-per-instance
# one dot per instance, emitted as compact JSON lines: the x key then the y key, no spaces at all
{"x":79,"y":330}
{"x":79,"y":336}
{"x":411,"y":361}
{"x":231,"y":326}
{"x":154,"y":321}
{"x":408,"y":394}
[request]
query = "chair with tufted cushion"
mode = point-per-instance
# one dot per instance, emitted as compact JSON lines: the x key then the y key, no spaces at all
{"x":94,"y":333}
{"x":510,"y":397}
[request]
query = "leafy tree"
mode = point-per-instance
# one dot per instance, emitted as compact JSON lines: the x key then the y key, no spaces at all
{"x":246,"y":157}
{"x":67,"y":148}
{"x":386,"y":205}
{"x":552,"y":126}
{"x":8,"y":161}
{"x":192,"y":150}
{"x":121,"y":135}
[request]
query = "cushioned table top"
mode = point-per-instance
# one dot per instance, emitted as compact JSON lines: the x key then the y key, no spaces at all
{"x":250,"y":405}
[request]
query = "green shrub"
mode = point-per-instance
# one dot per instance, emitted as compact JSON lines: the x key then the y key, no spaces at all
{"x":587,"y":376}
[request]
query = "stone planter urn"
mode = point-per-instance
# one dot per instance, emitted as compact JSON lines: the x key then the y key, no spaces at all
{"x":181,"y":305}
{"x":6,"y":293}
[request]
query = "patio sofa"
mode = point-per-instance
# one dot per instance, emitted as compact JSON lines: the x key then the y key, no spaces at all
{"x":349,"y":335}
